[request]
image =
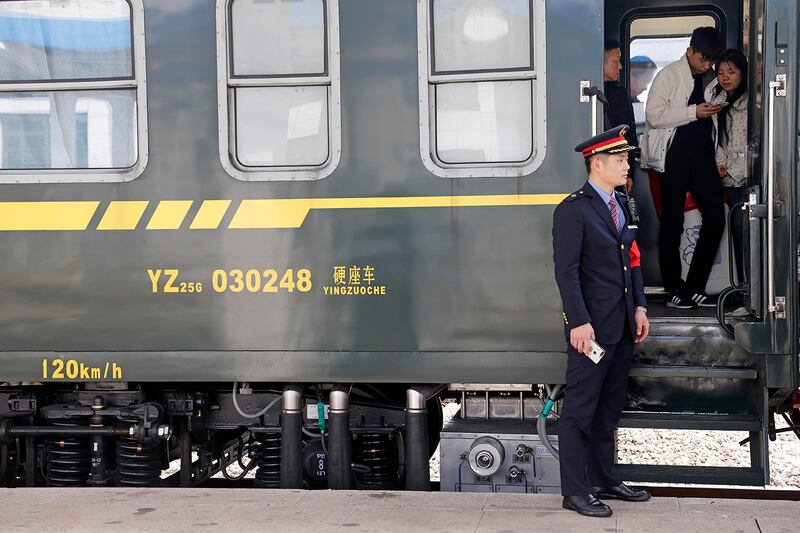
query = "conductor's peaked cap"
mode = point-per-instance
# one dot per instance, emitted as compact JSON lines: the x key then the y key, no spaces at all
{"x":609,"y":142}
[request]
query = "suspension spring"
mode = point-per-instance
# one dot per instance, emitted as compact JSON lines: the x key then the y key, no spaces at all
{"x":138,"y":464}
{"x":67,"y":459}
{"x":378,"y":452}
{"x":267,"y":455}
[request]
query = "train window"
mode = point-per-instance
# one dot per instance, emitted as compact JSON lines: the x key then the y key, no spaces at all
{"x":505,"y":137}
{"x":654,"y":43}
{"x":480,"y":35}
{"x":284,"y":125}
{"x":482,"y":81}
{"x":293,"y":32}
{"x":279,"y":89}
{"x":72,"y":97}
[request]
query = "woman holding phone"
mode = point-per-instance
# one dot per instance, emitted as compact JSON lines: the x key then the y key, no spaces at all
{"x":729,"y":93}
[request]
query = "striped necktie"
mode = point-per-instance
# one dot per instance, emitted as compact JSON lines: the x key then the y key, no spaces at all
{"x":612,"y":206}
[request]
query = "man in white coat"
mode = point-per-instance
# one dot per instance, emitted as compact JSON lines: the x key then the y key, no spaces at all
{"x":678,"y":143}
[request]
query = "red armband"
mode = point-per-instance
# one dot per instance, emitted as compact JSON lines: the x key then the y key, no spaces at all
{"x":636,"y":256}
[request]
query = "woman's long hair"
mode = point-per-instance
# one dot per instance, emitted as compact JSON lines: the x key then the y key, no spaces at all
{"x":737,"y":58}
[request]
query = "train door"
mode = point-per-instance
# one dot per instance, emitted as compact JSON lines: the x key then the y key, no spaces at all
{"x":772,"y":203}
{"x":653,"y":34}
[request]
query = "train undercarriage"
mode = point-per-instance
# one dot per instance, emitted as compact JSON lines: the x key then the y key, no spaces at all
{"x":289,"y":436}
{"x":312,"y":436}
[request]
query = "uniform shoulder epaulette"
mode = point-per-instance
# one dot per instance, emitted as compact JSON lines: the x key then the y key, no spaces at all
{"x":574,"y":196}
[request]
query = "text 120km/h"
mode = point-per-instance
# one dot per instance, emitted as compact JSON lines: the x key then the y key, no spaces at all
{"x":74,"y":369}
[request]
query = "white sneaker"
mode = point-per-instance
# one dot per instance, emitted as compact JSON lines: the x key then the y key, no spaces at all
{"x":704,"y":300}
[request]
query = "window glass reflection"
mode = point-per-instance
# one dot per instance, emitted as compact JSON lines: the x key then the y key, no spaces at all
{"x":68,"y":129}
{"x":282,"y":126}
{"x":483,"y":122}
{"x":65,"y":40}
{"x":280,"y":37}
{"x":481,"y":35}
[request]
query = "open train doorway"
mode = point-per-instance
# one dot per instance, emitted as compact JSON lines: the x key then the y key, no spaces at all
{"x":652,"y":35}
{"x":761,"y":287}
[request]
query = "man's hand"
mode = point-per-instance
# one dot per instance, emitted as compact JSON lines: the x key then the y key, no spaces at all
{"x":723,"y":170}
{"x":705,"y":110}
{"x":629,"y":184}
{"x":579,"y":338}
{"x":642,"y":326}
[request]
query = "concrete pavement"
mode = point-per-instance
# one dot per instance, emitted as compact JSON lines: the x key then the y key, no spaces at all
{"x":289,"y":511}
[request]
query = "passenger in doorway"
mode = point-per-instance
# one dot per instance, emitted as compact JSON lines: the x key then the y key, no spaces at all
{"x":678,"y":144}
{"x":619,"y":109}
{"x":730,"y":137}
{"x":643,"y":70}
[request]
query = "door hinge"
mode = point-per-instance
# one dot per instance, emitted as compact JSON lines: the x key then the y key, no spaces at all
{"x":779,"y":308}
{"x":779,"y":84}
{"x":584,"y":95}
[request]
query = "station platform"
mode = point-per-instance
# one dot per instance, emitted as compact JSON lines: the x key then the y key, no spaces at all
{"x":289,"y":511}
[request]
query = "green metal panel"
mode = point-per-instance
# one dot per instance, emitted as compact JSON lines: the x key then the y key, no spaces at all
{"x":470,"y":291}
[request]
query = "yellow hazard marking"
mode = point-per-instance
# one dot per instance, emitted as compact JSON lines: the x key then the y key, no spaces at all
{"x":46,"y":216}
{"x":262,"y":214}
{"x":122,"y":215}
{"x":169,"y":214}
{"x":210,"y":214}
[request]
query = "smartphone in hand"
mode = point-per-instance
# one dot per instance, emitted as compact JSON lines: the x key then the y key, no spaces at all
{"x":596,"y":351}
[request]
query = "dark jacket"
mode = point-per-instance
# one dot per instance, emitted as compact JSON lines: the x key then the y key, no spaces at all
{"x":619,"y":110}
{"x":593,"y":269}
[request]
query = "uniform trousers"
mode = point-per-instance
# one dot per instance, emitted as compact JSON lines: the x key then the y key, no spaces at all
{"x":593,"y":402}
{"x":694,"y":171}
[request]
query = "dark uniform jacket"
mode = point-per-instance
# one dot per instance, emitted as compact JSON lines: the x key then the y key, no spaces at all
{"x":597,"y":269}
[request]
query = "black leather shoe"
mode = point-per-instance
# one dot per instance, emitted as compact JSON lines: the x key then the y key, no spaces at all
{"x":622,"y":492}
{"x":587,"y":506}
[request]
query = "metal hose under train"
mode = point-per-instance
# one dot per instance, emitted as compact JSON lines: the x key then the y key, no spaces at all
{"x":541,"y":421}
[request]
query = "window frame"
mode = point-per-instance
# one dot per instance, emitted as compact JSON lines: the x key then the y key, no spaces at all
{"x":136,"y":82}
{"x":660,"y":12}
{"x":429,"y":79}
{"x":227,"y":84}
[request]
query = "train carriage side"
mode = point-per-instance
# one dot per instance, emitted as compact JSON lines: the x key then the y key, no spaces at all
{"x":284,"y":225}
{"x":368,"y":203}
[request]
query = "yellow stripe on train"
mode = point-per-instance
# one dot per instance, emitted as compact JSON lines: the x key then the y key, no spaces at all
{"x":122,"y":215}
{"x":264,"y":214}
{"x":126,"y":215}
{"x":46,"y":216}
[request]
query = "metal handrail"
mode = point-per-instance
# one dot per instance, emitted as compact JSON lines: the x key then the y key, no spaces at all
{"x":773,"y":87}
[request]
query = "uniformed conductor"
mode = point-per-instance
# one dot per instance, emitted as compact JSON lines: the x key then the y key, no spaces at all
{"x":602,"y":290}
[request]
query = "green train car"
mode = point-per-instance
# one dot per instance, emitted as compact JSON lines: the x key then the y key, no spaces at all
{"x":277,"y":232}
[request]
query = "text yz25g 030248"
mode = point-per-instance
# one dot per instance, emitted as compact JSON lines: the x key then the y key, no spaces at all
{"x":236,"y":280}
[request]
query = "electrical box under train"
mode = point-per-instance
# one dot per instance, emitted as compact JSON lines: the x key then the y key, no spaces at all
{"x":496,"y":456}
